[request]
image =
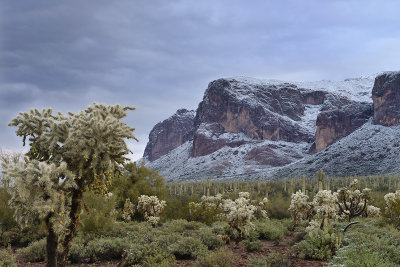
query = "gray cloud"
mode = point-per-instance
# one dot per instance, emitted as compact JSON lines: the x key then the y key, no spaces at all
{"x":160,"y":55}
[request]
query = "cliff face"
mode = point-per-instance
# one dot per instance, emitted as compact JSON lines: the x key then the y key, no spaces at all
{"x":170,"y":134}
{"x":339,"y":122}
{"x":386,"y":98}
{"x":260,"y":112}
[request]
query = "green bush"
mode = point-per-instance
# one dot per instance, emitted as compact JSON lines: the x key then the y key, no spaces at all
{"x":148,"y":254}
{"x":35,"y":252}
{"x":270,"y":230}
{"x":273,"y":259}
{"x":78,"y":252}
{"x":187,"y":248}
{"x":252,"y":245}
{"x":7,"y":259}
{"x":106,"y":248}
{"x":137,"y":180}
{"x":22,"y":238}
{"x":99,"y":214}
{"x":368,"y":243}
{"x":278,"y":207}
{"x":319,"y":244}
{"x":219,"y":258}
{"x":181,"y":226}
{"x":209,"y":239}
{"x":7,"y":220}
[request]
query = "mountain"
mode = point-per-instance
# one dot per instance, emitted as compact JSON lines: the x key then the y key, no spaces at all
{"x":247,"y":128}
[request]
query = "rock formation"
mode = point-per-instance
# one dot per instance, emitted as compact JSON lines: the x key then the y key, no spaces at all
{"x":170,"y":134}
{"x":261,"y":129}
{"x":338,"y":122}
{"x":260,"y":112}
{"x":386,"y":98}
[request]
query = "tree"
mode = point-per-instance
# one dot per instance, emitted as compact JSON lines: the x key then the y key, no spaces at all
{"x":68,"y":154}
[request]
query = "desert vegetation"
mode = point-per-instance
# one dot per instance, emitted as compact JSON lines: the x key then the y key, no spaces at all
{"x":74,"y":198}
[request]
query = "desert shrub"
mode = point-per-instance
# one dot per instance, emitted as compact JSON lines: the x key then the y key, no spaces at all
{"x":270,"y":230}
{"x":7,"y":259}
{"x":137,"y":180}
{"x":187,"y":248}
{"x":177,"y":208}
{"x":273,"y":259}
{"x":209,"y":239}
{"x":278,"y":207}
{"x":370,"y":243}
{"x":78,"y":251}
{"x":252,"y":245}
{"x":35,"y":252}
{"x":219,"y":258}
{"x":106,"y":248}
{"x":7,"y":220}
{"x":354,"y":257}
{"x":182,"y":226}
{"x":220,"y":228}
{"x":319,"y":244}
{"x":148,"y":254}
{"x":18,"y":237}
{"x":99,"y":215}
{"x":207,"y":210}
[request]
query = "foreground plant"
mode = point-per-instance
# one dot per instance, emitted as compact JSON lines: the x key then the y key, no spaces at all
{"x":299,"y":207}
{"x":392,"y":207}
{"x":151,"y":208}
{"x":352,"y":202}
{"x":239,"y":213}
{"x":67,"y":156}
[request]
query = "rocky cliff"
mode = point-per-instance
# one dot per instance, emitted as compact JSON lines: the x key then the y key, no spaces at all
{"x":169,"y":134}
{"x":386,"y":97}
{"x":250,"y":127}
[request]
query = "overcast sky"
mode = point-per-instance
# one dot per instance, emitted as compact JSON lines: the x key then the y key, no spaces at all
{"x":159,"y":56}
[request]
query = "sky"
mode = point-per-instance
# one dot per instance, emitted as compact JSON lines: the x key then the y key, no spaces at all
{"x":159,"y":56}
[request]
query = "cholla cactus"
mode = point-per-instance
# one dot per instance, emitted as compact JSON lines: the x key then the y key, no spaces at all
{"x":372,"y":211}
{"x":239,"y":213}
{"x":313,"y":225}
{"x":392,"y":208}
{"x":92,"y":145}
{"x":351,"y":201}
{"x":151,"y":208}
{"x":299,"y":207}
{"x":129,"y":210}
{"x":261,"y":211}
{"x":325,"y":206}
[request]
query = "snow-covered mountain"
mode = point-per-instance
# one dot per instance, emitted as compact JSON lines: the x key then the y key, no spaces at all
{"x":249,"y":128}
